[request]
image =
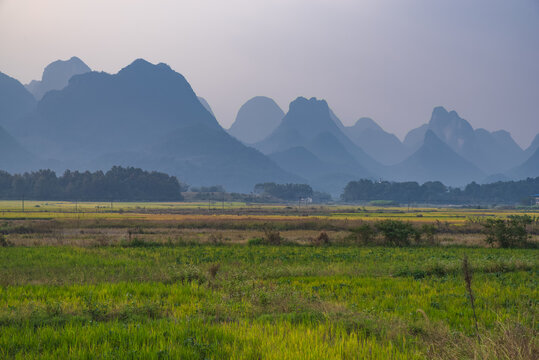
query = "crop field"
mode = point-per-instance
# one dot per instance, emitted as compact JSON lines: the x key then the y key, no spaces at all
{"x":184,"y":281}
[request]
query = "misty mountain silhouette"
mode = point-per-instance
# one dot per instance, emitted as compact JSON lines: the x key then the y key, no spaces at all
{"x":15,"y":101}
{"x":307,"y":119}
{"x":13,"y":157}
{"x":145,"y":115}
{"x":309,"y":143}
{"x":56,"y":76}
{"x":206,"y":105}
{"x":436,"y":161}
{"x":148,"y":116}
{"x":530,"y":167}
{"x":379,"y":144}
{"x":310,"y":125}
{"x":533,"y":146}
{"x":256,"y":119}
{"x":101,"y":113}
{"x":491,"y":152}
{"x":322,"y":175}
{"x":337,"y":121}
{"x":497,"y":150}
{"x":414,"y":138}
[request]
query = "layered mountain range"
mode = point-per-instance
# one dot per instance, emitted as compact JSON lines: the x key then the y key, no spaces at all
{"x":149,"y":116}
{"x":56,"y":76}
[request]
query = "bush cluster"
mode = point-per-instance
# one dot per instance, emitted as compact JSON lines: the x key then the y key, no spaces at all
{"x":271,"y":237}
{"x":508,"y":233}
{"x":394,"y":233}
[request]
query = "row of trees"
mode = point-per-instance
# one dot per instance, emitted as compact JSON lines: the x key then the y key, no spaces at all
{"x":508,"y":192}
{"x":119,"y":184}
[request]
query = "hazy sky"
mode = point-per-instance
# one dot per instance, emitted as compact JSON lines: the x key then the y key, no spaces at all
{"x":392,"y":60}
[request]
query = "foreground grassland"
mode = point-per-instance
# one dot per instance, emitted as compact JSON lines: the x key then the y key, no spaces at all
{"x":145,"y":284}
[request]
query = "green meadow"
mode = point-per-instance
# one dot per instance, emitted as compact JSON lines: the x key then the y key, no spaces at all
{"x":237,"y":301}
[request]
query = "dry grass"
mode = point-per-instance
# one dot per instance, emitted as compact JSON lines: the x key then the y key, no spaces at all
{"x":112,"y":233}
{"x":510,"y":341}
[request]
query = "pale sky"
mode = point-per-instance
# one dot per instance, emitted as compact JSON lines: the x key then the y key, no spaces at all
{"x":392,"y":60}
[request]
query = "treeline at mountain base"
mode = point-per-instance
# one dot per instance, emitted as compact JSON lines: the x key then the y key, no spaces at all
{"x":134,"y":184}
{"x":434,"y":192}
{"x":118,"y":184}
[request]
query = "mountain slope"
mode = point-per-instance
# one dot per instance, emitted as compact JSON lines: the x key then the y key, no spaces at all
{"x":337,"y":121}
{"x":379,"y":144}
{"x":15,"y":101}
{"x":414,"y":138}
{"x":309,"y":143}
{"x":491,"y":152}
{"x":322,"y":175}
{"x":533,"y":146}
{"x":99,"y":113}
{"x":206,"y":105}
{"x":300,"y":161}
{"x":13,"y":157}
{"x":215,"y":157}
{"x":56,"y":76}
{"x":256,"y":119}
{"x":307,"y":119}
{"x":495,"y":151}
{"x":436,"y":161}
{"x":145,"y":115}
{"x":530,"y":167}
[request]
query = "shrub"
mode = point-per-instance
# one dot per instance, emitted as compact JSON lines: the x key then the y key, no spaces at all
{"x":507,"y":233}
{"x":272,"y":237}
{"x":397,"y":232}
{"x":321,"y":239}
{"x":3,"y":241}
{"x":364,"y":234}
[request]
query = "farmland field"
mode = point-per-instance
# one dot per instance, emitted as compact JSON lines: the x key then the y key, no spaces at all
{"x":195,"y":281}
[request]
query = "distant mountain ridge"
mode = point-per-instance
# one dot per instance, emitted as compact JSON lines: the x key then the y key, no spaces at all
{"x":436,"y":161}
{"x":528,"y":169}
{"x":491,"y":152}
{"x":305,"y":120}
{"x":56,"y":76}
{"x":256,"y":119}
{"x":126,"y":111}
{"x":379,"y":144}
{"x":13,"y":156}
{"x":309,"y":134}
{"x":148,"y":116}
{"x":533,"y":146}
{"x":15,"y":101}
{"x":206,"y":105}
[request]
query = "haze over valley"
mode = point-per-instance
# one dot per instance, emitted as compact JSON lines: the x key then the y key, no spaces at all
{"x":149,"y":116}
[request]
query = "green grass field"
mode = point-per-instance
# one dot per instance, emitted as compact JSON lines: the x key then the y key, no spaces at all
{"x":161,"y":295}
{"x":251,"y":302}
